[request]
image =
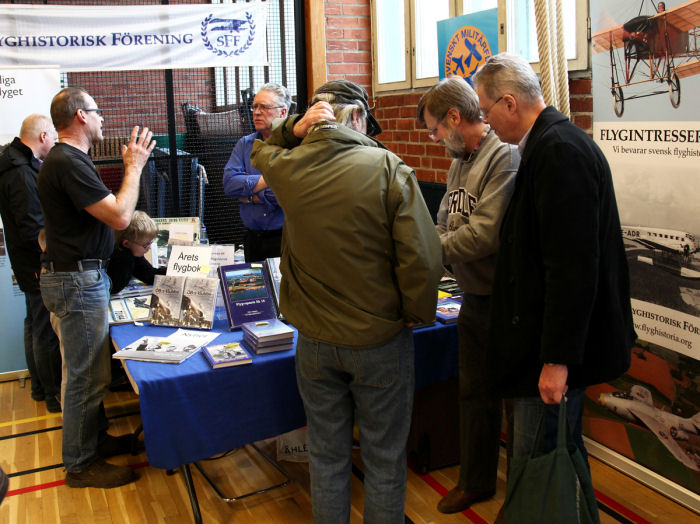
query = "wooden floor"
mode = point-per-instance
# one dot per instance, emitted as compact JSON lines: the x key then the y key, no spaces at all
{"x":30,"y":452}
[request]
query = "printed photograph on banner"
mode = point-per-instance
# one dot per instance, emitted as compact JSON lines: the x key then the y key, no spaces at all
{"x":645,"y":73}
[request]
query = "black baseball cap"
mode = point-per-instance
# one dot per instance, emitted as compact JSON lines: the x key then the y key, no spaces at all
{"x":347,"y":92}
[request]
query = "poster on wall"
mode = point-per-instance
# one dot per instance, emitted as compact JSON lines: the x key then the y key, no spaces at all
{"x":465,"y":42}
{"x":647,"y":122}
{"x":24,"y":91}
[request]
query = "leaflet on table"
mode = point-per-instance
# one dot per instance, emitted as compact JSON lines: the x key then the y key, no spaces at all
{"x":247,"y":293}
{"x":448,"y":309}
{"x":175,"y":348}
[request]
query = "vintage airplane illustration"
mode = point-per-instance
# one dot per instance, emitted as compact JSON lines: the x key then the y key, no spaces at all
{"x":228,"y":24}
{"x":637,"y":407}
{"x":669,"y":240}
{"x":660,"y":48}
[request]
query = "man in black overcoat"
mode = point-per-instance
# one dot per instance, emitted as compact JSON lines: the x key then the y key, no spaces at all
{"x":561,"y":312}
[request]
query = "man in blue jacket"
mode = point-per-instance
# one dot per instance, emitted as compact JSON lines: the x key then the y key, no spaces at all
{"x":561,"y":312}
{"x":260,"y":212}
{"x":22,"y":220}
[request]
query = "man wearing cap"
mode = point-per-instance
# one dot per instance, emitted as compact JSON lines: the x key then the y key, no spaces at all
{"x":360,"y":264}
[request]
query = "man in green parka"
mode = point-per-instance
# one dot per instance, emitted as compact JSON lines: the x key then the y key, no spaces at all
{"x":360,"y":264}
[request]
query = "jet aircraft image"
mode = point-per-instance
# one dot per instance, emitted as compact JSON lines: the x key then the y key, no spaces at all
{"x":637,"y":407}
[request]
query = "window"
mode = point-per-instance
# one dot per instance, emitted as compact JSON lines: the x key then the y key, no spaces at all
{"x":405,"y":45}
{"x":521,"y":32}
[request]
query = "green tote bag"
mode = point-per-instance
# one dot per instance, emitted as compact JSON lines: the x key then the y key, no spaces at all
{"x":554,"y":487}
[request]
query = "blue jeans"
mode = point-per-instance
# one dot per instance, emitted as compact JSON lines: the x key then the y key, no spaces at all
{"x":41,"y":348}
{"x":80,"y":301}
{"x":379,"y":382}
{"x":528,"y":412}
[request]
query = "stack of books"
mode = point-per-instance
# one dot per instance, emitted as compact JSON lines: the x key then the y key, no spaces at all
{"x":266,"y":336}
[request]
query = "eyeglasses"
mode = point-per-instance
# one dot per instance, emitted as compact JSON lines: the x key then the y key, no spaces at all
{"x":432,"y":132}
{"x":146,"y":246}
{"x":265,"y":108}
{"x":485,"y":112}
{"x":94,"y":109}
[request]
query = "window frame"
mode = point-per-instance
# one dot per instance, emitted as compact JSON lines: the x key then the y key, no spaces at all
{"x":505,"y":18}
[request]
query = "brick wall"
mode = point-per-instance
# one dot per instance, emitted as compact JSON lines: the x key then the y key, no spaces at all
{"x":349,"y":55}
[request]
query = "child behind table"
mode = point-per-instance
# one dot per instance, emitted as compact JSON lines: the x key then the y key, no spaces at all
{"x":128,"y":259}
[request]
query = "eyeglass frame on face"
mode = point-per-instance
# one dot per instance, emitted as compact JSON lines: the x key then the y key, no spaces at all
{"x":145,"y":246}
{"x":431,"y":132}
{"x":485,"y":113}
{"x":265,"y":108}
{"x":96,"y":110}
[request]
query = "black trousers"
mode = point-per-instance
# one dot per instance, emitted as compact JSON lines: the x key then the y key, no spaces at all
{"x":259,"y":245}
{"x":480,"y":413}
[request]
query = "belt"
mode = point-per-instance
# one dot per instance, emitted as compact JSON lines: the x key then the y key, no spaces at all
{"x":88,"y":264}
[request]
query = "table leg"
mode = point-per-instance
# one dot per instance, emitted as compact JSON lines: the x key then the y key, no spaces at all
{"x":185,"y":468}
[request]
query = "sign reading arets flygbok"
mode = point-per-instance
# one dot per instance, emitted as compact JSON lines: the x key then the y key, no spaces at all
{"x":91,"y":38}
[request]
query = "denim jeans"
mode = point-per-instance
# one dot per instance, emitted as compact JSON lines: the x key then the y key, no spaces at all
{"x":528,"y":412}
{"x":80,"y":301}
{"x":480,"y":413}
{"x":379,"y":382}
{"x":41,"y":348}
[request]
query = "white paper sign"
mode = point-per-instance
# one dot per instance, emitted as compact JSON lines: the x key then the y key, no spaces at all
{"x":189,"y":260}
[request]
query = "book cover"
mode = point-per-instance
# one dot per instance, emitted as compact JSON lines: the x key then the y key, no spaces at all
{"x":223,"y":355}
{"x":118,"y":312}
{"x":166,"y":300}
{"x":198,"y":302}
{"x":267,"y":330}
{"x":139,"y":307}
{"x":273,"y":268}
{"x":448,"y":309}
{"x":173,"y":349}
{"x":247,"y":293}
{"x":174,"y":230}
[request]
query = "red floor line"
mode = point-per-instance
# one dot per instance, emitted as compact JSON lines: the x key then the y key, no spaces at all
{"x":56,"y":483}
{"x":442,"y":491}
{"x":622,"y":510}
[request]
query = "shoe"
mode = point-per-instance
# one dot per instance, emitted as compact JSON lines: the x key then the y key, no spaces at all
{"x":53,"y":405}
{"x":112,"y":446}
{"x":100,"y":474}
{"x":4,"y":484}
{"x":458,"y":499}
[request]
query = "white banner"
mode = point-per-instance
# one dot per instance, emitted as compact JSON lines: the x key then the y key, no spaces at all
{"x":103,"y":38}
{"x":23,"y":92}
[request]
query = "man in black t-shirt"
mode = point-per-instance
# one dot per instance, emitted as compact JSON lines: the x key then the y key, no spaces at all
{"x":80,"y":213}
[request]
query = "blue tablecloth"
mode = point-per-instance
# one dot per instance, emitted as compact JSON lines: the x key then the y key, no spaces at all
{"x":190,"y":411}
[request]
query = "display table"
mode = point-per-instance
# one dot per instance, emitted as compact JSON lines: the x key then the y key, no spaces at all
{"x":191,"y":412}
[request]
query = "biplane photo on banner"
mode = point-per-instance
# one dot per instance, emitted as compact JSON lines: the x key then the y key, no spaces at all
{"x":646,"y":120}
{"x":654,"y":51}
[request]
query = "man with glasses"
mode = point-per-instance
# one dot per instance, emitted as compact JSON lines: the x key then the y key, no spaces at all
{"x":80,"y":215}
{"x":561,"y":314}
{"x":479,"y":185}
{"x":23,"y":222}
{"x":260,"y":212}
